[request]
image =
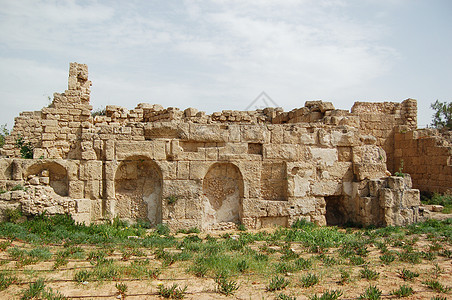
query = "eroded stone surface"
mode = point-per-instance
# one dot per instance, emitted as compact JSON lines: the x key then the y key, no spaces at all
{"x":189,"y":169}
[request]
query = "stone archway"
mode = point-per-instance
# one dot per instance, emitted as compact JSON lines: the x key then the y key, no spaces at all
{"x":50,"y":173}
{"x":223,"y":190}
{"x":138,"y":190}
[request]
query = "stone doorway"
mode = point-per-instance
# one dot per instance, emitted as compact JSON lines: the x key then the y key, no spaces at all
{"x":223,"y":190}
{"x":138,"y":190}
{"x":336,"y":213}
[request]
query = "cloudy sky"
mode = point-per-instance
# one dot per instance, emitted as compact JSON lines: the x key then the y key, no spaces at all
{"x":221,"y":54}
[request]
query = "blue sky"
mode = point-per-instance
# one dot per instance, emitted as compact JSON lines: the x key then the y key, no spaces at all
{"x":216,"y":55}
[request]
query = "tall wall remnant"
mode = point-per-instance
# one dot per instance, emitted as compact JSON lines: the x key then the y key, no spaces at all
{"x":190,"y":169}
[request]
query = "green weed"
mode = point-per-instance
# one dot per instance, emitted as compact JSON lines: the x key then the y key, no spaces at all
{"x":371,"y":293}
{"x":369,"y":274}
{"x":309,"y":280}
{"x":403,"y":291}
{"x":437,"y":286}
{"x":328,"y":295}
{"x":407,"y":274}
{"x":277,"y":283}
{"x":172,"y":292}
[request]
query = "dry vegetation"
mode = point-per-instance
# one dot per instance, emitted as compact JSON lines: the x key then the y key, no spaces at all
{"x":53,"y":258}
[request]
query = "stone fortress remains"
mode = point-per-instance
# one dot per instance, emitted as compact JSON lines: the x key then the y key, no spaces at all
{"x":189,"y":169}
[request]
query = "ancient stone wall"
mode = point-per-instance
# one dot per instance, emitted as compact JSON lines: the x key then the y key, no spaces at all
{"x":189,"y":169}
{"x":380,"y":119}
{"x":426,"y":155}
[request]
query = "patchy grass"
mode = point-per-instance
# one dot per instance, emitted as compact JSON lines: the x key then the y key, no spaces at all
{"x":316,"y":262}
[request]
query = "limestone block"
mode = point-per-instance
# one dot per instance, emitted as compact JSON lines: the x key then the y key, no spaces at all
{"x":183,"y":170}
{"x":190,"y":112}
{"x":276,"y":134}
{"x":110,"y":189}
{"x":252,"y":207}
{"x":326,"y":188}
{"x":44,"y":180}
{"x":198,"y":169}
{"x":411,"y":198}
{"x":298,"y":186}
{"x":340,"y":171}
{"x":374,"y":186}
{"x":169,"y":169}
{"x":255,"y":134}
{"x":251,"y":173}
{"x":82,"y":218}
{"x":324,"y":156}
{"x":233,"y":149}
{"x":286,"y":152}
{"x":208,"y":133}
{"x":159,"y":150}
{"x":76,"y":189}
{"x":388,"y":198}
{"x":346,"y":137}
{"x":109,"y":150}
{"x":396,"y":183}
{"x":91,"y":170}
{"x":128,"y":149}
{"x":369,"y":154}
{"x":39,"y":153}
{"x":234,"y":133}
{"x":369,"y":171}
{"x":83,"y":205}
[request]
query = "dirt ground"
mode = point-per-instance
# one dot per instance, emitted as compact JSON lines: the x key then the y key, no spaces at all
{"x":251,"y":285}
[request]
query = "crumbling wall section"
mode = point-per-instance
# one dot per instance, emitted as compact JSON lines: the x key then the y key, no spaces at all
{"x":189,"y":169}
{"x":426,"y":155}
{"x":380,"y":119}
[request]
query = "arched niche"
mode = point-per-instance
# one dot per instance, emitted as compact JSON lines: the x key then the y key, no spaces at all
{"x":138,"y":190}
{"x":223,"y":189}
{"x":56,"y":173}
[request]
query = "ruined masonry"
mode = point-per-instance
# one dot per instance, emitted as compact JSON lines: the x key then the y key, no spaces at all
{"x":188,"y":169}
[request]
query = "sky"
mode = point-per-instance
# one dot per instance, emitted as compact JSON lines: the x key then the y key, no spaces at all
{"x":221,"y":54}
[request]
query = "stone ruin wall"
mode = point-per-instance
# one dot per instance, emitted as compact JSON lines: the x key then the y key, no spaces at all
{"x":427,"y":157}
{"x":381,"y":120}
{"x":190,"y":169}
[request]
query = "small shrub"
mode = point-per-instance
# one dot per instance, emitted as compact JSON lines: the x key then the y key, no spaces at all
{"x":283,"y":296}
{"x":13,"y":215}
{"x":437,"y":286}
{"x":121,"y":288}
{"x":198,"y":269}
{"x":6,"y":281}
{"x":17,"y":188}
{"x":309,"y":280}
{"x":102,"y":111}
{"x":277,"y":283}
{"x":406,"y":274}
{"x":369,"y":274}
{"x":387,"y":258}
{"x":172,"y":292}
{"x":345,"y":277}
{"x":60,"y":261}
{"x":82,"y":276}
{"x":171,"y":199}
{"x":357,"y":260}
{"x":226,"y":286}
{"x":26,"y":148}
{"x":34,"y":290}
{"x":4,"y":245}
{"x":242,"y":266}
{"x":328,"y":295}
{"x":400,"y":172}
{"x":371,"y":293}
{"x":241,"y":227}
{"x":403,"y":291}
{"x":162,"y":229}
